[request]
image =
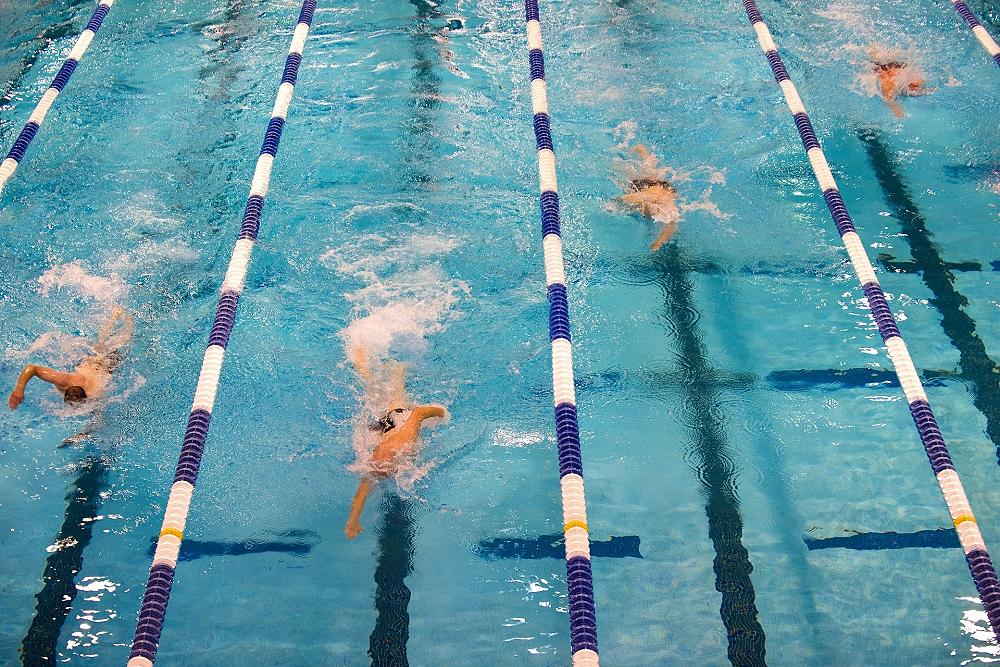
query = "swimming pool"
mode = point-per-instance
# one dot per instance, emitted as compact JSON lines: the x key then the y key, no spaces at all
{"x":750,"y":463}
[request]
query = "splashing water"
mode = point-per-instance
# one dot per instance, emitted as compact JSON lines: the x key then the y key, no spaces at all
{"x":73,"y":277}
{"x":405,"y":298}
{"x":625,"y":132}
{"x":54,"y":347}
{"x":642,"y":165}
{"x":399,"y":306}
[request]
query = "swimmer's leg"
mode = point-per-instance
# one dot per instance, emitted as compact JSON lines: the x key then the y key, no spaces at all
{"x":83,"y":435}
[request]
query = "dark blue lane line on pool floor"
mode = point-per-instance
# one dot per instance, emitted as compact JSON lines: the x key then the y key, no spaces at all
{"x":714,"y":459}
{"x":55,"y":601}
{"x":554,"y":546}
{"x":422,"y":125}
{"x":937,"y":538}
{"x":801,"y":379}
{"x":890,"y":263}
{"x":977,"y":368}
{"x":387,"y":643}
{"x":849,"y":378}
{"x":195,"y":549}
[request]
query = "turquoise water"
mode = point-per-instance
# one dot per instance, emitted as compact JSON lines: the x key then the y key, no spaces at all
{"x":404,"y":197}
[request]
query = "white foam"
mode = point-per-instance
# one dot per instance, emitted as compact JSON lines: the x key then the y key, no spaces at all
{"x":403,"y":324}
{"x":509,"y":438}
{"x":704,"y":203}
{"x":72,"y":276}
{"x":137,"y":383}
{"x":356,"y":258}
{"x":56,"y":348}
{"x":405,"y":297}
{"x":625,"y":130}
{"x":852,"y":15}
{"x":143,"y":212}
{"x":151,"y":256}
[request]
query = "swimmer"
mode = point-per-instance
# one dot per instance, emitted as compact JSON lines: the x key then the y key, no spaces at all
{"x":895,"y":77}
{"x":654,"y":197}
{"x":91,"y":377}
{"x":398,"y":429}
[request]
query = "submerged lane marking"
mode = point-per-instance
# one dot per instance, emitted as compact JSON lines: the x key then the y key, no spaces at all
{"x":976,"y":365}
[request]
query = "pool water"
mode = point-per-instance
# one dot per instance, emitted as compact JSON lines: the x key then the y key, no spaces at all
{"x":752,"y":473}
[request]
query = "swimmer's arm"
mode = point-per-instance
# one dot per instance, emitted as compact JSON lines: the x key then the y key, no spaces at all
{"x":888,"y":88}
{"x":423,"y":412}
{"x":104,"y":338}
{"x":362,"y":365}
{"x":55,"y":377}
{"x":106,"y":328}
{"x":666,"y":234}
{"x":128,"y":328}
{"x":353,"y":527}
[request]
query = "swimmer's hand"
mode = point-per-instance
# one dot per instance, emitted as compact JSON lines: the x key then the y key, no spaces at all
{"x":16,"y":397}
{"x":432,"y":411}
{"x":75,"y":439}
{"x":353,"y":529}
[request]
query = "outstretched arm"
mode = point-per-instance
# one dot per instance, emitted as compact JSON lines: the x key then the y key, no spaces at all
{"x":362,"y":364}
{"x":353,"y":527}
{"x":423,"y":412}
{"x":887,"y":87}
{"x":42,"y":373}
{"x":106,"y":341}
{"x":641,"y":151}
{"x":666,"y":233}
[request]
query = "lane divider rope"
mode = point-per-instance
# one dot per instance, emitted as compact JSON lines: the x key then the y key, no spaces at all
{"x":579,"y":581}
{"x":161,"y":574}
{"x":976,"y":555}
{"x":30,"y":129}
{"x":978,"y":30}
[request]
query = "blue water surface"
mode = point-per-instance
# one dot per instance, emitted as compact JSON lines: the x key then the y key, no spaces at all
{"x":734,"y":405}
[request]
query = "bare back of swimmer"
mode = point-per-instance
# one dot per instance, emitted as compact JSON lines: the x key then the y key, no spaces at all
{"x":91,"y":377}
